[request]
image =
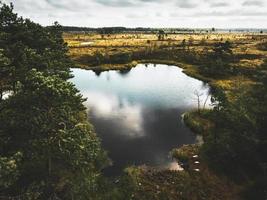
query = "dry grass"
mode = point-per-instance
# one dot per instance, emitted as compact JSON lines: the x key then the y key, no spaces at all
{"x":245,"y":46}
{"x":89,"y":44}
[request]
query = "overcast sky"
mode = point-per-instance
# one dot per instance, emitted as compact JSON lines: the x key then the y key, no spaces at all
{"x":146,"y":13}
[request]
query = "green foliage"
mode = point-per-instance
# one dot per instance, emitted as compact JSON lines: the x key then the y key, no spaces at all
{"x":118,"y":58}
{"x":9,"y":170}
{"x":28,"y":45}
{"x":121,"y":58}
{"x":151,"y":184}
{"x":199,"y":122}
{"x":48,"y":149}
{"x":59,"y":146}
{"x":217,"y":63}
{"x":181,"y":155}
{"x":4,"y":72}
{"x":99,"y":57}
{"x":237,"y":145}
{"x":222,"y":50}
{"x":195,"y":125}
{"x":161,"y":35}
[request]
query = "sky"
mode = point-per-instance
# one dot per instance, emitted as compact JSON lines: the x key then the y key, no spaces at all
{"x":146,"y":13}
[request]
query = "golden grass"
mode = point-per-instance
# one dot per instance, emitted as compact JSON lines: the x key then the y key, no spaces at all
{"x":84,"y":45}
{"x":88,"y":44}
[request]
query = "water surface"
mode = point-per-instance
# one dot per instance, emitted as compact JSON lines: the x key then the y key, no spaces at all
{"x":137,"y":113}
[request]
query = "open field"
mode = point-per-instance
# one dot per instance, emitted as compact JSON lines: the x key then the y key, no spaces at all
{"x":84,"y":45}
{"x":119,"y":51}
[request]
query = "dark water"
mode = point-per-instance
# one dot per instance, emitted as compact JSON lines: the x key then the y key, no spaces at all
{"x":137,"y":114}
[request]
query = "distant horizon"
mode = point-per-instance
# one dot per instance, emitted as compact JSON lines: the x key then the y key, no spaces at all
{"x":198,"y":28}
{"x":203,"y":14}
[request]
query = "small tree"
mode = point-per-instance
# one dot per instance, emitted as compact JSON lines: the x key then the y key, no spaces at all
{"x":183,"y":43}
{"x":198,"y":96}
{"x":161,"y":35}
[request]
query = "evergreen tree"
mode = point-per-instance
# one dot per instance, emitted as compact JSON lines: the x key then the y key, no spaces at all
{"x":47,"y":147}
{"x":28,"y":45}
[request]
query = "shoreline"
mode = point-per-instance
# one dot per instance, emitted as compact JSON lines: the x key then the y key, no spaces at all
{"x":194,"y":167}
{"x":189,"y":70}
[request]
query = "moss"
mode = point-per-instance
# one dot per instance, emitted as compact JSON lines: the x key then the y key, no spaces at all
{"x":184,"y":153}
{"x":172,"y":185}
{"x":199,"y":122}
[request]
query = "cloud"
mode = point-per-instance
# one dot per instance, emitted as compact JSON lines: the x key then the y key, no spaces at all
{"x":111,"y":107}
{"x":143,"y":13}
{"x":151,"y":1}
{"x":135,"y":16}
{"x":255,"y":14}
{"x":253,"y":3}
{"x":116,"y":3}
{"x":219,"y":4}
{"x":187,"y":4}
{"x":60,"y":4}
{"x":235,"y":13}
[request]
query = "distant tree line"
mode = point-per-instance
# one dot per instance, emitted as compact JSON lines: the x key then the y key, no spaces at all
{"x":147,"y":30}
{"x":116,"y":30}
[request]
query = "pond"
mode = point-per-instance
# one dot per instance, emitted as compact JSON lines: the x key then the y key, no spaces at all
{"x":137,"y":113}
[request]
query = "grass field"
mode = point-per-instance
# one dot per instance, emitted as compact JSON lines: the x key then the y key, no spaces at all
{"x":119,"y":51}
{"x":87,"y":45}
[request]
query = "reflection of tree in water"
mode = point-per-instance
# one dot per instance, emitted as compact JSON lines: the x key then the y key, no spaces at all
{"x":97,"y":72}
{"x":124,"y":71}
{"x":108,"y":77}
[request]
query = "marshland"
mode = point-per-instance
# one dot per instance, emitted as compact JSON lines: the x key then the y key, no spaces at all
{"x":131,"y":113}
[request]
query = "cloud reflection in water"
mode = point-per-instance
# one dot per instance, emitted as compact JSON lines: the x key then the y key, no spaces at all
{"x":138,"y":114}
{"x":110,"y":106}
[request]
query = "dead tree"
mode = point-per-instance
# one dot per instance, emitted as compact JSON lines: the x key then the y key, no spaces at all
{"x":198,"y":95}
